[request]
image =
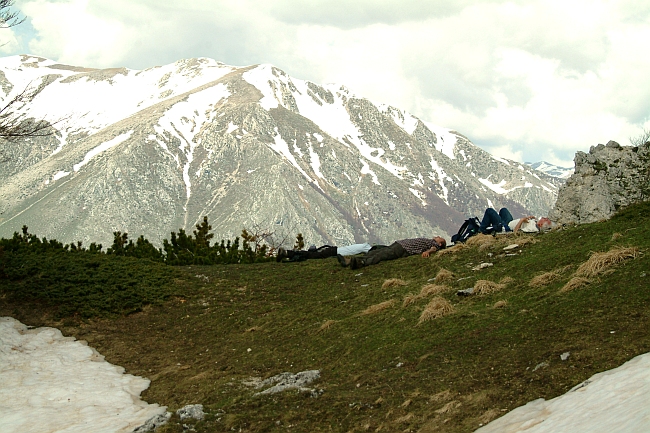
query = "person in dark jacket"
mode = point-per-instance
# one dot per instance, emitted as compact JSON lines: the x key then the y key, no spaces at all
{"x":398,"y":249}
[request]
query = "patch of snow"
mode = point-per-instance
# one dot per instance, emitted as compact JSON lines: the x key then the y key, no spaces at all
{"x":318,"y":137}
{"x":496,"y":158}
{"x":102,"y":148}
{"x":446,"y":139}
{"x":315,"y":162}
{"x":282,"y":148}
{"x":231,"y":127}
{"x":612,"y":401}
{"x":419,"y":195}
{"x":441,"y":177}
{"x":59,"y":175}
{"x":184,"y":120}
{"x":366,"y":170}
{"x":52,"y":383}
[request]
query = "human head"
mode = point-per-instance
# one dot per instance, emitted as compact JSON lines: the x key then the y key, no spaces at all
{"x":544,"y":224}
{"x":441,"y":241}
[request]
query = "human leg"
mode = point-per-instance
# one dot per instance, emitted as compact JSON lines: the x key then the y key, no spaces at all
{"x":491,"y":222}
{"x":391,"y":252}
{"x":506,"y":217}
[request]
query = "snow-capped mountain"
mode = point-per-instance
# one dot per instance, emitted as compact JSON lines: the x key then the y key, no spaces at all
{"x":552,"y":169}
{"x":151,"y":151}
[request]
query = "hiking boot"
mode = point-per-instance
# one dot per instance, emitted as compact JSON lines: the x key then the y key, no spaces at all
{"x":344,"y":261}
{"x":357,"y":262}
{"x":282,"y":254}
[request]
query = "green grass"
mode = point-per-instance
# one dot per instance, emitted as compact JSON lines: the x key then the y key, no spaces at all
{"x":194,"y":325}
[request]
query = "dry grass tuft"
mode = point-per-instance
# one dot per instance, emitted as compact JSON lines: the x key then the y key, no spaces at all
{"x":393,"y":282}
{"x":616,"y":236}
{"x":378,"y":307}
{"x":449,"y":407}
{"x":575,"y":283}
{"x":326,"y":325}
{"x":254,"y":329}
{"x":480,"y":239}
{"x":500,"y":304}
{"x":427,"y":290}
{"x":405,"y":418}
{"x":485,"y":287}
{"x":544,"y":279}
{"x":410,"y":299}
{"x":443,"y":275}
{"x":599,"y":263}
{"x":437,"y":307}
{"x":433,"y":289}
{"x":525,"y":240}
{"x":452,"y":250}
{"x":506,"y":280}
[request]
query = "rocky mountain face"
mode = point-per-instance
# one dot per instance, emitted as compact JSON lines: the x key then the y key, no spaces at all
{"x":148,"y":152}
{"x":607,"y":178}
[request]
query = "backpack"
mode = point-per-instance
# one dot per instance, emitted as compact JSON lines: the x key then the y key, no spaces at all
{"x":468,"y":229}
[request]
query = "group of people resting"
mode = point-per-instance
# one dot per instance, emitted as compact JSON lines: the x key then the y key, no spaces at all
{"x":359,"y":255}
{"x":348,"y":256}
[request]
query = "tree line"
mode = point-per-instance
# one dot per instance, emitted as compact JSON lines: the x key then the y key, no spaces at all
{"x":181,"y":249}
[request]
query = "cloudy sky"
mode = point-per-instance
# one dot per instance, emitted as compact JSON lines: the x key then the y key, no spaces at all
{"x":528,"y":80}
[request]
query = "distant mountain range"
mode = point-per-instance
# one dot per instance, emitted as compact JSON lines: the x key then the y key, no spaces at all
{"x":551,"y":169}
{"x":148,"y":152}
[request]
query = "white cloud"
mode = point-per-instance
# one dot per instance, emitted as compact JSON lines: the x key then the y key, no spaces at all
{"x":532,"y":80}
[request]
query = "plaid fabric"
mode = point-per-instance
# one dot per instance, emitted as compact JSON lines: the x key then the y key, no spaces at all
{"x":417,"y":245}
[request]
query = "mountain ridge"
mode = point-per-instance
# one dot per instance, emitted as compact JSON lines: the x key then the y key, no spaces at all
{"x":246,"y":146}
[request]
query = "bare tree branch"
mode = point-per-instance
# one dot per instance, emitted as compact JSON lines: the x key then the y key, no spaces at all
{"x":9,"y":18}
{"x":641,"y":139}
{"x":15,"y":126}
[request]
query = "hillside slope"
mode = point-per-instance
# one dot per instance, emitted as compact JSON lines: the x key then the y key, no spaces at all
{"x":205,"y":332}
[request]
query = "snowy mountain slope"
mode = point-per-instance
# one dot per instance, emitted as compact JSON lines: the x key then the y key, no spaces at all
{"x":552,"y":169}
{"x":150,"y":151}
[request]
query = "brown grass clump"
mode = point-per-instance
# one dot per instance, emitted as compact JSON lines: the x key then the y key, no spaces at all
{"x":485,"y":287}
{"x":427,"y":290}
{"x":616,"y":236}
{"x":480,"y":239}
{"x":506,"y":280}
{"x":409,"y":299}
{"x":500,"y":304}
{"x":326,"y":325}
{"x":452,"y":250}
{"x":544,"y":279}
{"x":525,"y":240}
{"x":378,"y":307}
{"x":433,"y":289}
{"x":393,"y":282}
{"x":599,"y":263}
{"x":437,"y":307}
{"x":575,"y":283}
{"x":443,"y":275}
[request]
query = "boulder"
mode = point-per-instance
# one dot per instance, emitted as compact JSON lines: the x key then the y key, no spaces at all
{"x":606,"y":179}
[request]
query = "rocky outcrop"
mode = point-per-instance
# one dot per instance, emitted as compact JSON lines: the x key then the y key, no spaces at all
{"x":607,"y":178}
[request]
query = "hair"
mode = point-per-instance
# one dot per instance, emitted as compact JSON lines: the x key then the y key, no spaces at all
{"x":442,"y":244}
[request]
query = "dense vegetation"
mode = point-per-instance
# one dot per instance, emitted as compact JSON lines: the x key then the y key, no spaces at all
{"x":387,"y":362}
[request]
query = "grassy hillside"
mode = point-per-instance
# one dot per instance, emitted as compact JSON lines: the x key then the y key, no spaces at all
{"x":200,"y":332}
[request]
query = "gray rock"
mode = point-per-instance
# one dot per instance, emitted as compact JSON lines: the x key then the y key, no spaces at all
{"x":284,"y":381}
{"x":191,"y":411}
{"x":606,"y":179}
{"x":153,"y":423}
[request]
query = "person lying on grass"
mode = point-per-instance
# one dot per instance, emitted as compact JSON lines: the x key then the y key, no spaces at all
{"x":324,"y":252}
{"x":494,"y":222}
{"x":398,"y":249}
